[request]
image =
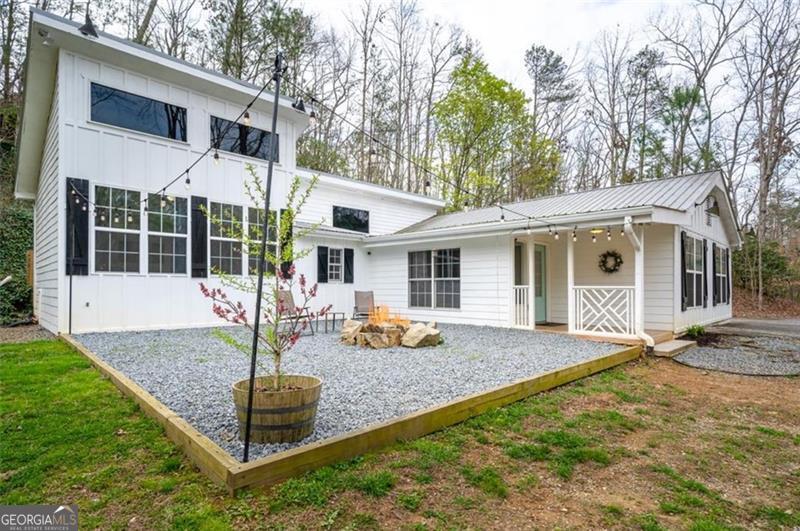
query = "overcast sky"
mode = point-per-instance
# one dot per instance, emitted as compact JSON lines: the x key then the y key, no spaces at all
{"x":506,"y":28}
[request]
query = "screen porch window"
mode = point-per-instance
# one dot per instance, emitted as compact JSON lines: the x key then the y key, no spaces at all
{"x":255,"y":220}
{"x":335,"y":264}
{"x":117,"y":226}
{"x":694,"y":258}
{"x":225,"y":249}
{"x":721,"y":275}
{"x":167,"y":225}
{"x":434,"y":278}
{"x":122,"y":109}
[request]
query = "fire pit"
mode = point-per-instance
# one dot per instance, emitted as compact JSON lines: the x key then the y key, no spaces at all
{"x":384,"y":330}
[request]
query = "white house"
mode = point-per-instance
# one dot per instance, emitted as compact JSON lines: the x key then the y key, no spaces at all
{"x":117,"y":121}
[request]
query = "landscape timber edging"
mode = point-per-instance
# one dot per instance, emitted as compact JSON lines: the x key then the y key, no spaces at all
{"x":224,"y":470}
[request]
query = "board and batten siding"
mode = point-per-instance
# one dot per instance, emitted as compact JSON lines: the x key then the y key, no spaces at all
{"x":46,"y":214}
{"x":714,"y":233}
{"x":486,"y":281}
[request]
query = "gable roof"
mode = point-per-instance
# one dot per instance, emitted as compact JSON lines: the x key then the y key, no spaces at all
{"x":674,"y":193}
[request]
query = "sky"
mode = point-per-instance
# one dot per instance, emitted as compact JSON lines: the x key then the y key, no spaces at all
{"x":506,"y":28}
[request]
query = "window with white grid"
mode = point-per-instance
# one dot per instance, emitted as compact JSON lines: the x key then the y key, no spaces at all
{"x":693,"y":251}
{"x":255,"y":221}
{"x":225,"y":250}
{"x":434,"y":278}
{"x":167,"y":225}
{"x":117,"y":225}
{"x":335,"y":264}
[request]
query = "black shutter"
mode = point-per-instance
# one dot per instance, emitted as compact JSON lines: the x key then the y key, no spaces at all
{"x":322,"y":264}
{"x":77,"y":227}
{"x":729,"y":279}
{"x":705,"y":273}
{"x":717,"y":293}
{"x":683,"y":271}
{"x":199,"y":239}
{"x":286,"y":240}
{"x":348,"y":266}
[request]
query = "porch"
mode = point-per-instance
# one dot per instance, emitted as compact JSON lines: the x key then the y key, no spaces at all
{"x":558,"y":284}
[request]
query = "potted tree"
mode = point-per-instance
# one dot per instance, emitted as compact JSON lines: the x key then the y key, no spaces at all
{"x":284,"y":405}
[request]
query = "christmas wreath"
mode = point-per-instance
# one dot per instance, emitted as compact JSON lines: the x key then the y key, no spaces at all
{"x":610,"y":262}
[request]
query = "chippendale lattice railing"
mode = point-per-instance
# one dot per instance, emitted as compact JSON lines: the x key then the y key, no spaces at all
{"x":605,"y":310}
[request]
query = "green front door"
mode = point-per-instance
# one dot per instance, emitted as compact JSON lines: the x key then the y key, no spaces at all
{"x":540,"y":282}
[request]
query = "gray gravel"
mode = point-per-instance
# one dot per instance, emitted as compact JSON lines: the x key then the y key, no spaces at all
{"x":191,"y":371}
{"x":762,"y":356}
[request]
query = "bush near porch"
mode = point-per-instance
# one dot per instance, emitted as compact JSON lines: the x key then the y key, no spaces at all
{"x":652,"y":445}
{"x":16,"y":237}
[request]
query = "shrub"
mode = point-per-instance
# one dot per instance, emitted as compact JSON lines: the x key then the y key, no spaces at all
{"x":16,"y":237}
{"x":695,"y":331}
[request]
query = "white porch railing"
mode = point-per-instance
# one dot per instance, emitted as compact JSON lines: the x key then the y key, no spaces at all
{"x":521,"y":302}
{"x":605,"y":310}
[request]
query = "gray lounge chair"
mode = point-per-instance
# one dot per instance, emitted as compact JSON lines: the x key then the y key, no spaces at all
{"x":291,"y":311}
{"x":365,"y":303}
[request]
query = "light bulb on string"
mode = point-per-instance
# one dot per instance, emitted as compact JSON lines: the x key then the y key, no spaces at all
{"x":608,"y":234}
{"x":312,"y":118}
{"x":555,"y":236}
{"x":574,"y":235}
{"x":594,"y":238}
{"x":216,"y":157}
{"x":130,"y":218}
{"x":83,"y":207}
{"x":622,"y":231}
{"x":72,"y":191}
{"x":116,"y":218}
{"x":163,"y":200}
{"x":77,"y":200}
{"x":246,"y":119}
{"x":188,"y":182}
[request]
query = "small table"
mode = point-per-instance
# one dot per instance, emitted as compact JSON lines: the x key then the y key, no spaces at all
{"x":333,"y":325}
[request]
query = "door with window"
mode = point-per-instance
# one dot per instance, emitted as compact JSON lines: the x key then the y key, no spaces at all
{"x":540,"y":282}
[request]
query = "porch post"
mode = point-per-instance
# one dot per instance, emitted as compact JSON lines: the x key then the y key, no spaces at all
{"x":638,"y":285}
{"x":570,"y":285}
{"x":531,"y":285}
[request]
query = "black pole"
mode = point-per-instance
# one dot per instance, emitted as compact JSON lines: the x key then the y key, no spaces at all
{"x":262,"y":260}
{"x":71,"y":209}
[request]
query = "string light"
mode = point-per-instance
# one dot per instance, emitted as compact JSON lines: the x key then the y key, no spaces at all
{"x":574,"y":235}
{"x":502,"y":215}
{"x":622,"y":231}
{"x":555,"y":236}
{"x":312,"y":118}
{"x":246,"y":118}
{"x":83,"y":207}
{"x":216,"y":157}
{"x":608,"y":234}
{"x":130,"y":218}
{"x":594,"y":238}
{"x":188,"y":182}
{"x":163,"y":200}
{"x":77,"y":199}
{"x":116,"y":217}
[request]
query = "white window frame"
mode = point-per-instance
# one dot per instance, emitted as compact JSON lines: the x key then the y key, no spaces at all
{"x":221,"y":238}
{"x":272,"y":245}
{"x":109,"y":211}
{"x":433,"y":279}
{"x":695,"y":270}
{"x":721,"y":275}
{"x":175,"y":234}
{"x":336,"y":265}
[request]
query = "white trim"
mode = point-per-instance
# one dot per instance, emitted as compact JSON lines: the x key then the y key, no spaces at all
{"x":570,"y":286}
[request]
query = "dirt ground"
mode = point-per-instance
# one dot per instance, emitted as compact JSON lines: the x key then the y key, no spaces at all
{"x":19,"y":334}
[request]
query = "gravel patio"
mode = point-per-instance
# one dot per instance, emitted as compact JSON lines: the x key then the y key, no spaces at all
{"x":756,"y":356}
{"x":191,"y":371}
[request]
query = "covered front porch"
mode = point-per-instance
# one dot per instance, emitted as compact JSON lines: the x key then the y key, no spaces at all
{"x":559,"y":285}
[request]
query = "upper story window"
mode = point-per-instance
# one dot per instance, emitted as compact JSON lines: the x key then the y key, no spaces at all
{"x":123,"y":109}
{"x":351,"y":219}
{"x":242,"y":139}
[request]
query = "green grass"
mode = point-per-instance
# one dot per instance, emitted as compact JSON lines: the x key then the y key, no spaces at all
{"x":68,"y":435}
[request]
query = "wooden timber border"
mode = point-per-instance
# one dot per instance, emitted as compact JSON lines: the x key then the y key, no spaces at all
{"x":224,"y":470}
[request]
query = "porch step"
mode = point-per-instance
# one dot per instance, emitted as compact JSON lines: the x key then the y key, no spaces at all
{"x":672,"y":348}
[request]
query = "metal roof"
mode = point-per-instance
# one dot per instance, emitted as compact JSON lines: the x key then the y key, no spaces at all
{"x":676,"y":193}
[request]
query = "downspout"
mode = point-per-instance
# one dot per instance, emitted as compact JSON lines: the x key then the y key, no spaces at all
{"x":630,"y":232}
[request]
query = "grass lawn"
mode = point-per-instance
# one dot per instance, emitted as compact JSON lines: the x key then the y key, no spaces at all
{"x":652,"y":445}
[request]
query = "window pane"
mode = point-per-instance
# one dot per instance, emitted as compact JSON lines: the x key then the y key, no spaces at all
{"x":102,"y":196}
{"x":123,"y":109}
{"x":241,"y":139}
{"x":351,"y":219}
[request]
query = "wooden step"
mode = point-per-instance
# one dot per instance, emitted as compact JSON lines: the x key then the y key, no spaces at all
{"x":673,"y":347}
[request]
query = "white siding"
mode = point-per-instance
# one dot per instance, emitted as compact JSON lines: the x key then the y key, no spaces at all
{"x":714,"y":233}
{"x":658,"y":275}
{"x":486,"y":279}
{"x":46,"y":214}
{"x":386,"y":215}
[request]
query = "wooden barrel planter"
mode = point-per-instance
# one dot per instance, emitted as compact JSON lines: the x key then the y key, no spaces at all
{"x":279,"y":416}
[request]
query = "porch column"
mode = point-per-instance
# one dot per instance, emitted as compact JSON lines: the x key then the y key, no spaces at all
{"x":531,"y":285}
{"x":638,"y":285}
{"x":570,"y":284}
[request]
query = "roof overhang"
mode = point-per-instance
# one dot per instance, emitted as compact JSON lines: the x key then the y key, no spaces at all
{"x":516,"y":226}
{"x":346,"y":183}
{"x":41,"y":63}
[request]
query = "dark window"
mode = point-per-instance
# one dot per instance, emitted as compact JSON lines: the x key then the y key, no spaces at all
{"x":241,"y":139}
{"x":351,"y":219}
{"x":123,"y":109}
{"x":694,"y":259}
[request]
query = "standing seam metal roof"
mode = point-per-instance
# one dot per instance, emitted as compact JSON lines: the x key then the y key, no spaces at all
{"x":675,"y":193}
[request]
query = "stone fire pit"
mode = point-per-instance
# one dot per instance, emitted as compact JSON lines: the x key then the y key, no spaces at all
{"x":385,"y":335}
